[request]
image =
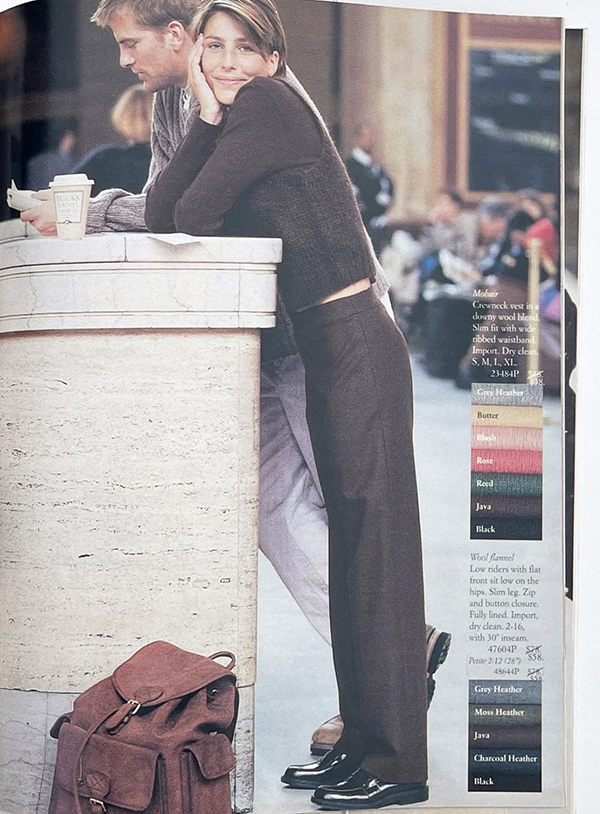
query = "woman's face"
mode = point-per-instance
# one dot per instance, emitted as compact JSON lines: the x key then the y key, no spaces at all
{"x":230,"y":59}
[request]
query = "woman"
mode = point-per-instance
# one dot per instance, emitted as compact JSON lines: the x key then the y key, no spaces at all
{"x":123,"y":167}
{"x":259,"y":162}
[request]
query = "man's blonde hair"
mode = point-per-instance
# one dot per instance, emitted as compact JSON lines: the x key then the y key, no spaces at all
{"x":260,"y":20}
{"x":148,"y":13}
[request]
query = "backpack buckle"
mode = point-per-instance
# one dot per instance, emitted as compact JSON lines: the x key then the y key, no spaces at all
{"x":93,"y":801}
{"x":122,"y":715}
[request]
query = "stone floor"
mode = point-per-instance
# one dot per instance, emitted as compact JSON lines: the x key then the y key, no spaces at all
{"x":296,"y":689}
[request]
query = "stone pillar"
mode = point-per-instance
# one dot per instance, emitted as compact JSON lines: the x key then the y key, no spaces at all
{"x":393,"y":74}
{"x":129,"y":387}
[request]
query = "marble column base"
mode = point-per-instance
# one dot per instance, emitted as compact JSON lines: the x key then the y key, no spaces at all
{"x":27,"y":753}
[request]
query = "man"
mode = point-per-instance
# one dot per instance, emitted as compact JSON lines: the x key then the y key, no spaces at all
{"x":449,"y":227}
{"x":448,"y":242}
{"x":492,"y":219}
{"x":373,"y":186}
{"x":155,"y":43}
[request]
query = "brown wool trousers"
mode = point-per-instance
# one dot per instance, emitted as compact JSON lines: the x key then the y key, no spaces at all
{"x":359,"y":411}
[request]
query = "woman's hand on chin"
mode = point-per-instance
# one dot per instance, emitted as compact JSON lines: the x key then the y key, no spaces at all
{"x":211,"y":111}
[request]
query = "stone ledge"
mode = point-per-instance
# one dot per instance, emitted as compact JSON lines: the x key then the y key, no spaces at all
{"x":132,"y":281}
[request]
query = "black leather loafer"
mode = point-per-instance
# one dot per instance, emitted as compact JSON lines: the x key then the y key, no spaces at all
{"x":328,"y":771}
{"x":363,"y":790}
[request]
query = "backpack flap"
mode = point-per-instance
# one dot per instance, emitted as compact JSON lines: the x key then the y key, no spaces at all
{"x":116,"y":773}
{"x":213,"y":754}
{"x":160,"y":671}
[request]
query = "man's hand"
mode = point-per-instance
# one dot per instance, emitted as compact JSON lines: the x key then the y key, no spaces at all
{"x":42,"y":216}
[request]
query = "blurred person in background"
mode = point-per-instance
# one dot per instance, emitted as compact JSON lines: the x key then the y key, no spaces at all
{"x":373,"y":187}
{"x":530,"y":201}
{"x":527,"y":221}
{"x":505,"y":271}
{"x":123,"y":167}
{"x":447,"y":277}
{"x":58,"y":160}
{"x":545,"y":230}
{"x":449,"y":227}
{"x":545,"y":226}
{"x":512,"y":260}
{"x":492,"y":218}
{"x":492,"y":221}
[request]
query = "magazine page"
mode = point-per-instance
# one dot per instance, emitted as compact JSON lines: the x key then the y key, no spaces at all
{"x":150,"y":449}
{"x":6,"y":4}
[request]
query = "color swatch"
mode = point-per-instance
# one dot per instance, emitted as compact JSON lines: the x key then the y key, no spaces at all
{"x":506,"y":461}
{"x":505,"y":736}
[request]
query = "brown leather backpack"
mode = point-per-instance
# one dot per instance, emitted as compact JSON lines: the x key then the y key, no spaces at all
{"x":154,"y":737}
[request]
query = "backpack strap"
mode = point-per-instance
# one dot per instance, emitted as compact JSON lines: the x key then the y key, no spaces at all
{"x":113,"y":721}
{"x":224,"y":654}
{"x":144,"y":696}
{"x":122,"y":716}
{"x":78,"y":767}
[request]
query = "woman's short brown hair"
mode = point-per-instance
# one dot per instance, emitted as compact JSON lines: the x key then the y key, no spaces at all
{"x":259,"y":18}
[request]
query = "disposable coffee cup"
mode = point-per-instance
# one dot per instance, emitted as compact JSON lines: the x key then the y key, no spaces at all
{"x":71,"y":195}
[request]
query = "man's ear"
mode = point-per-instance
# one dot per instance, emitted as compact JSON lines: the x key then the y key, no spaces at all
{"x":177,"y":34}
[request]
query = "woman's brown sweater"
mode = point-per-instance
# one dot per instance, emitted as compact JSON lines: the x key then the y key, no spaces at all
{"x":268,"y":170}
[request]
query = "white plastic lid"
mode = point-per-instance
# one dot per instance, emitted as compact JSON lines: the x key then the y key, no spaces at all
{"x":74,"y":179}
